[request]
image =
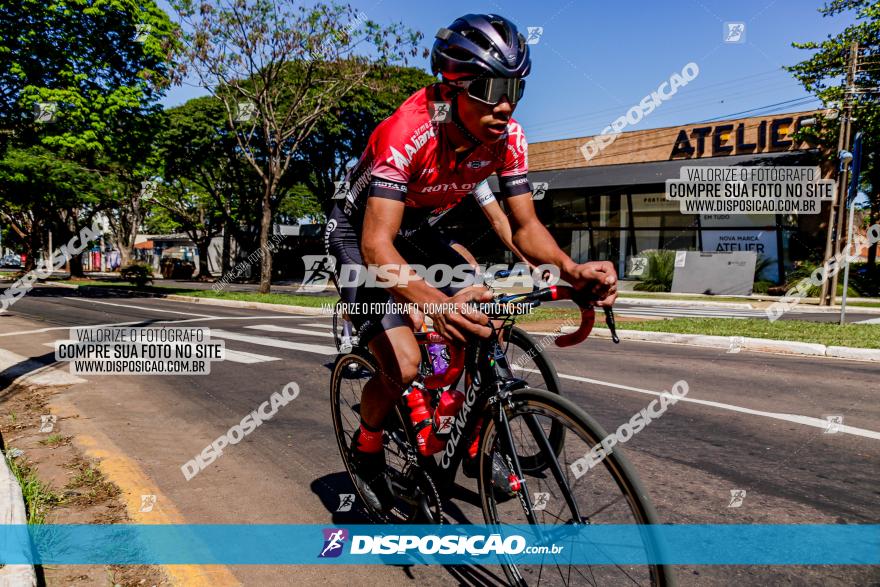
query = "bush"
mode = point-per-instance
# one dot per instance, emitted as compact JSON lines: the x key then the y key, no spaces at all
{"x":137,"y":274}
{"x":762,"y":287}
{"x":804,"y":270}
{"x":658,"y":273}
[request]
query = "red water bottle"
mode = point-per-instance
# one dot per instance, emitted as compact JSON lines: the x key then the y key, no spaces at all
{"x":444,"y":416}
{"x":420,"y":416}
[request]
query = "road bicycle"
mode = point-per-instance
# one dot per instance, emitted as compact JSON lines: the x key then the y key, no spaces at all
{"x":526,"y":441}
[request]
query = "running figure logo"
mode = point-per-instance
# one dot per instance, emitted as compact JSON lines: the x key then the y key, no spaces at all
{"x":737,"y":496}
{"x":319,"y":271}
{"x":734,"y":32}
{"x":534,"y":35}
{"x":333,"y":540}
{"x":346,"y":500}
{"x":539,"y":188}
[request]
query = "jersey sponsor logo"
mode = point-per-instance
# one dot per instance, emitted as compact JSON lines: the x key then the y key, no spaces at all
{"x":478,"y":164}
{"x":390,"y":185}
{"x":445,"y":187}
{"x":400,"y":160}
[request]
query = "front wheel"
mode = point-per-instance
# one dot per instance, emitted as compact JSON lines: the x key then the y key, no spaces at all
{"x":607,"y":492}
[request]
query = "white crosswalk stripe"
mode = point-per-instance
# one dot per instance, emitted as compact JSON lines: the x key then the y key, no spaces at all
{"x":274,"y":328}
{"x":272,"y":342}
{"x":328,"y":325}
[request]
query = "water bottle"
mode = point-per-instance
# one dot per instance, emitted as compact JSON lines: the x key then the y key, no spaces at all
{"x":439,"y":354}
{"x":445,"y":413}
{"x":420,"y":416}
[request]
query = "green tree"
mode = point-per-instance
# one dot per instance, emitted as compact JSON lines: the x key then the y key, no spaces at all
{"x":821,"y":74}
{"x":278,"y":69}
{"x":82,"y":79}
{"x":341,"y":135}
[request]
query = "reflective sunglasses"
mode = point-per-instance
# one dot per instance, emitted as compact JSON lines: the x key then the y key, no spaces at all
{"x":491,"y":90}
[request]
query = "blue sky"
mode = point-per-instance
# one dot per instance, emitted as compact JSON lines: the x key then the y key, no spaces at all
{"x":596,"y":59}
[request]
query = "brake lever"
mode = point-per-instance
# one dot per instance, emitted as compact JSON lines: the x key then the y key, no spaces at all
{"x":609,"y":321}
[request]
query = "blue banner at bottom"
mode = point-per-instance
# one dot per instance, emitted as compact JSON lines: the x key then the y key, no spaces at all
{"x":719,"y":544}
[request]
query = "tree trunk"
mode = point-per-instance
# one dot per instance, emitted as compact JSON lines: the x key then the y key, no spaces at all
{"x":203,"y":245}
{"x":874,"y":217}
{"x":265,"y":229}
{"x":76,"y":266}
{"x":225,"y":263}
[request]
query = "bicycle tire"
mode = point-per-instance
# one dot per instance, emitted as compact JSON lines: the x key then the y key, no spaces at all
{"x":520,"y":338}
{"x":427,"y":510}
{"x":529,"y":400}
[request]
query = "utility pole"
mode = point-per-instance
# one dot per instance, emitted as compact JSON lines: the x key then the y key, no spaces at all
{"x":836,"y":214}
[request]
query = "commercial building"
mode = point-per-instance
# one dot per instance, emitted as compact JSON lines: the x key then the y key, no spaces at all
{"x":613,"y":206}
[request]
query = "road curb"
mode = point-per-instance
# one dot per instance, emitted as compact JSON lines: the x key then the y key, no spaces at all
{"x":685,"y":303}
{"x":301,"y":310}
{"x":12,"y":511}
{"x":765,"y":345}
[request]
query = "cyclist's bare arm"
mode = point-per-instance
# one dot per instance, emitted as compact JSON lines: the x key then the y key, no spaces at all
{"x":538,"y":246}
{"x":382,"y":220}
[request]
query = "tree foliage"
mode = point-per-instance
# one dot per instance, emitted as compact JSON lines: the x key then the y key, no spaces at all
{"x":824,"y":74}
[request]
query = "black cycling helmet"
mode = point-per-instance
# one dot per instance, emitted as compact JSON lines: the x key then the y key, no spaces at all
{"x":480,"y":45}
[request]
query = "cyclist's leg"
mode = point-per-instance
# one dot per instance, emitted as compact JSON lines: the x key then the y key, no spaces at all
{"x":398,"y":357}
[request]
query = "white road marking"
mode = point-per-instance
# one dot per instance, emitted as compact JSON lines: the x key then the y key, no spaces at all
{"x":273,"y":328}
{"x":91,"y":301}
{"x":871,"y":321}
{"x":317,"y":325}
{"x":280,"y":344}
{"x":51,"y":328}
{"x":797,"y":419}
{"x":247,"y":358}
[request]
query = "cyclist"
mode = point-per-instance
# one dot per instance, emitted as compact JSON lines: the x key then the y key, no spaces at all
{"x":414,"y":167}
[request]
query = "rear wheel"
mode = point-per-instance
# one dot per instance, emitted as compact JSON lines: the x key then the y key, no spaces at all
{"x":416,"y":497}
{"x":606,"y":493}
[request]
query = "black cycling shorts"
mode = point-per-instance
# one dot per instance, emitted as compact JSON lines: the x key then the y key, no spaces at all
{"x":422,"y":246}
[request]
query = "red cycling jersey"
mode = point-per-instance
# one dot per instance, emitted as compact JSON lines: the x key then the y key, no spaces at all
{"x":409,"y":158}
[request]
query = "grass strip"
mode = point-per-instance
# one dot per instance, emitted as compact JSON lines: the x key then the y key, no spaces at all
{"x":312,"y":301}
{"x":37,"y":495}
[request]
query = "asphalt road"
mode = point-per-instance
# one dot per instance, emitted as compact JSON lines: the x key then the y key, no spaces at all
{"x":738,"y":430}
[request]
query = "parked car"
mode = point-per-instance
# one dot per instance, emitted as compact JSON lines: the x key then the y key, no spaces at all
{"x":11,"y":260}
